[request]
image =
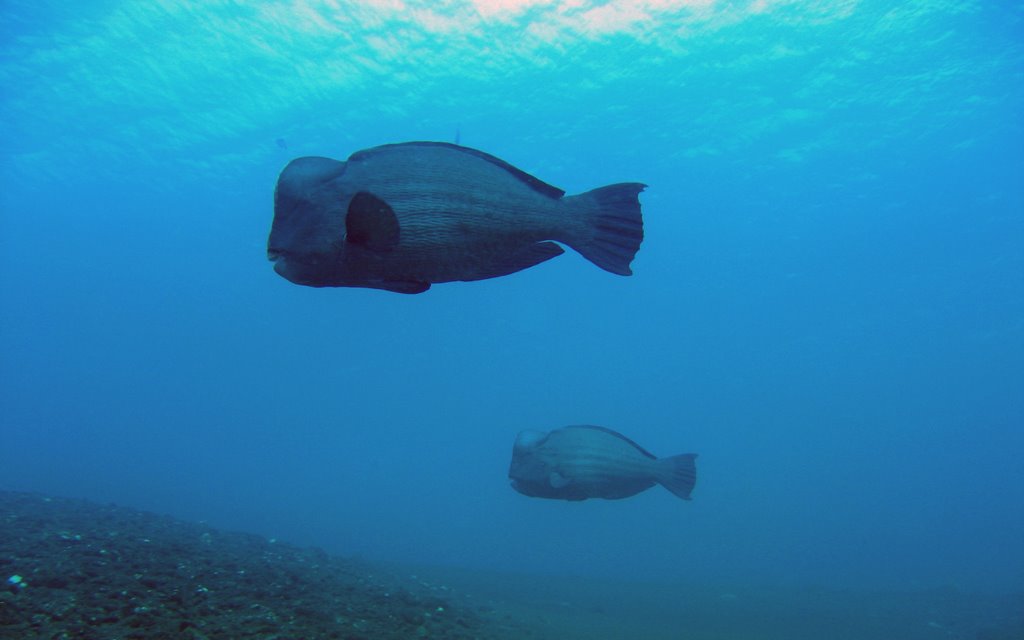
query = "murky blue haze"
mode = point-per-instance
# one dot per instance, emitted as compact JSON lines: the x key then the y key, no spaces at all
{"x":828,"y":306}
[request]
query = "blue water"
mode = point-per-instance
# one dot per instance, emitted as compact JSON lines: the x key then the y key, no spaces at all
{"x":828,"y":306}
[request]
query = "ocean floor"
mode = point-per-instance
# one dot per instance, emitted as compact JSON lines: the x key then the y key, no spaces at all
{"x":584,"y":608}
{"x":76,"y":569}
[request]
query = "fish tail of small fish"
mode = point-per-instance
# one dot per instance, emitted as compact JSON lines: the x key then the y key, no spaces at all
{"x":678,"y":474}
{"x":614,"y":226}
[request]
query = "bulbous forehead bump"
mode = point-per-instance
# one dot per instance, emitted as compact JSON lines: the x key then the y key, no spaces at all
{"x":530,"y":437}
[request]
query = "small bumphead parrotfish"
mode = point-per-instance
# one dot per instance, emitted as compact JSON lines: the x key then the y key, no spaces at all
{"x":403,"y":216}
{"x":580,"y":462}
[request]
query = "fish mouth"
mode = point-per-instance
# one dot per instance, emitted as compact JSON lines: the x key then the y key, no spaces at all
{"x":282,"y":265}
{"x":284,"y":268}
{"x":300,"y":271}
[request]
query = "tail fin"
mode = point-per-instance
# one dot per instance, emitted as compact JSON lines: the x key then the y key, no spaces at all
{"x":678,"y":474}
{"x":615,"y":225}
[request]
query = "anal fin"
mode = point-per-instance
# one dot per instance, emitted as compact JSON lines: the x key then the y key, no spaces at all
{"x":525,"y":258}
{"x":401,"y":286}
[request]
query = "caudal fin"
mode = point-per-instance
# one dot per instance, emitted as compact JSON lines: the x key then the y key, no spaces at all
{"x":615,"y":226}
{"x":678,"y":474}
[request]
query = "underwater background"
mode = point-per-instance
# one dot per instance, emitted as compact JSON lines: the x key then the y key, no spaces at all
{"x":828,"y":306}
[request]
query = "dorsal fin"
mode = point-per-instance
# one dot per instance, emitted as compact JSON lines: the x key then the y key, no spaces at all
{"x":534,"y":183}
{"x":618,"y":435}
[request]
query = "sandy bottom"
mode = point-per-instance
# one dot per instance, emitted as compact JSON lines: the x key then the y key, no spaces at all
{"x":571,"y":609}
{"x":76,"y":569}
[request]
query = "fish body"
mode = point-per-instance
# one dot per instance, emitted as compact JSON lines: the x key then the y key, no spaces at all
{"x":403,"y":216}
{"x":581,"y":462}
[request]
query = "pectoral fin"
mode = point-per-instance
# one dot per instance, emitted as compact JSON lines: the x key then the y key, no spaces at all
{"x":371,"y":222}
{"x":557,"y":480}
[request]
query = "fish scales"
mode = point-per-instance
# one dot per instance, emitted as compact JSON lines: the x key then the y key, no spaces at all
{"x":597,"y":457}
{"x":476,"y":200}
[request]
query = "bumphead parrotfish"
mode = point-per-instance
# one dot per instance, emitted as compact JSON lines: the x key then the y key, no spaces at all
{"x":580,"y":462}
{"x":403,"y":216}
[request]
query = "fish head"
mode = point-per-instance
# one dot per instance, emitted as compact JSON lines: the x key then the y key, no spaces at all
{"x":307,"y":237}
{"x":529,"y":472}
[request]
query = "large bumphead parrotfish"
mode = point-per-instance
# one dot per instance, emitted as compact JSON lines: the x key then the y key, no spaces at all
{"x":580,"y":462}
{"x":403,"y":216}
